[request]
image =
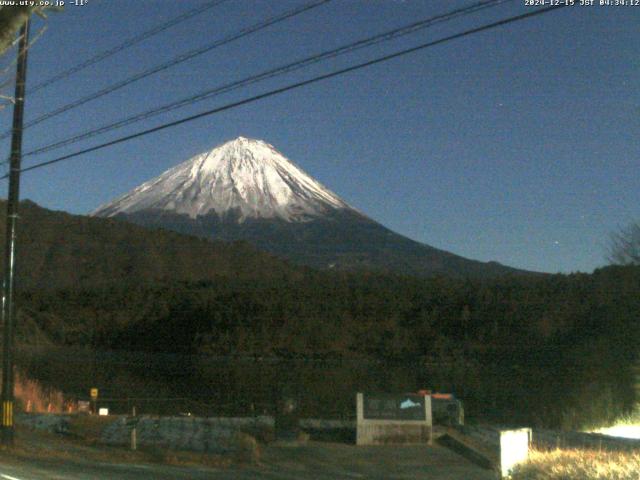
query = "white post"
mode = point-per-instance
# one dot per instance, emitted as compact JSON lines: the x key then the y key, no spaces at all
{"x":134,"y":433}
{"x":428,"y":417}
{"x":514,"y":449}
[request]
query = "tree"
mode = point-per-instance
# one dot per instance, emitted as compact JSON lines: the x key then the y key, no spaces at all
{"x":624,"y":247}
{"x":11,"y":20}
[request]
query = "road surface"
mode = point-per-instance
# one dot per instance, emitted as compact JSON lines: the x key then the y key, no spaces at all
{"x":316,"y":460}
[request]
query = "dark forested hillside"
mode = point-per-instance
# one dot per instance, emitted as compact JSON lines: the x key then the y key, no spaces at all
{"x":535,"y":339}
{"x":59,"y":250}
{"x":342,"y":314}
{"x":525,"y":340}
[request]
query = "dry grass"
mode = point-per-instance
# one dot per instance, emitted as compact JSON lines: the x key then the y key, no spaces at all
{"x":579,"y":465}
{"x":42,"y":445}
{"x":33,"y":397}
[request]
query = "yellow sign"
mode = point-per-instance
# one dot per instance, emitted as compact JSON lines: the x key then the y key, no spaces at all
{"x":7,"y":414}
{"x":94,"y":393}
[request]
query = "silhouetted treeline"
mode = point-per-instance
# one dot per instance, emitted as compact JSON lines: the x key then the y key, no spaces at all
{"x":561,"y":347}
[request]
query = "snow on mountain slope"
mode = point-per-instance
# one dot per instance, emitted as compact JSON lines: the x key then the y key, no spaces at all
{"x":247,"y":177}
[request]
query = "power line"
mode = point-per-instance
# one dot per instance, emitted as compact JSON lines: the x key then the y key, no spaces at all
{"x":288,"y":68}
{"x":173,"y":62}
{"x":294,"y":86}
{"x":126,"y":44}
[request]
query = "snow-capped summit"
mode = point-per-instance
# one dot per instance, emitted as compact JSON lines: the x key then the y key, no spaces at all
{"x":245,"y":177}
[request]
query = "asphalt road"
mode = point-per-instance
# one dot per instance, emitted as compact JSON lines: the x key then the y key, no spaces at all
{"x":317,"y":461}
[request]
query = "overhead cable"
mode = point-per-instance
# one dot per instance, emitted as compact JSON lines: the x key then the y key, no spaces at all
{"x":124,"y":45}
{"x":293,"y":86}
{"x":281,"y":70}
{"x":173,"y":62}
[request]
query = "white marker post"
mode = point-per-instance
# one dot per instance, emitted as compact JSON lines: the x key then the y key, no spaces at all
{"x":514,"y":448}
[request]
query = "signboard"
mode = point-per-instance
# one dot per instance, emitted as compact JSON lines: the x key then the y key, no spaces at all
{"x":393,"y":418}
{"x":395,"y":407}
{"x":94,"y":393}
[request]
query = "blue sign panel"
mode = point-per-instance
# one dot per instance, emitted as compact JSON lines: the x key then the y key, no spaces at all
{"x":394,"y":407}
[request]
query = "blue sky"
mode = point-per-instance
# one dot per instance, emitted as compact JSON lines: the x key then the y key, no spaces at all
{"x":518,"y":144}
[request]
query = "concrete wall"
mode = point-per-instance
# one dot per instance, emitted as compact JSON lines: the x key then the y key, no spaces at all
{"x":211,"y":435}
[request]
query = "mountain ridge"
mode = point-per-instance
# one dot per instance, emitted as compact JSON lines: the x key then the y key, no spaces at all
{"x":60,"y":250}
{"x":246,"y":190}
{"x":333,"y":242}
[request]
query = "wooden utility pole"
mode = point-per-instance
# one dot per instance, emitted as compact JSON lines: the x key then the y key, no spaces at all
{"x":8,"y":306}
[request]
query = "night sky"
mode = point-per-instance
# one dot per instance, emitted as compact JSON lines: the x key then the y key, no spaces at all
{"x":519,"y":144}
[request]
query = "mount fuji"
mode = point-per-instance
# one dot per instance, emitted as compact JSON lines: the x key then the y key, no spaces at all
{"x":246,"y":190}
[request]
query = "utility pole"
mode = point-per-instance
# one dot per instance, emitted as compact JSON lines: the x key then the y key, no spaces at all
{"x":8,"y":306}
